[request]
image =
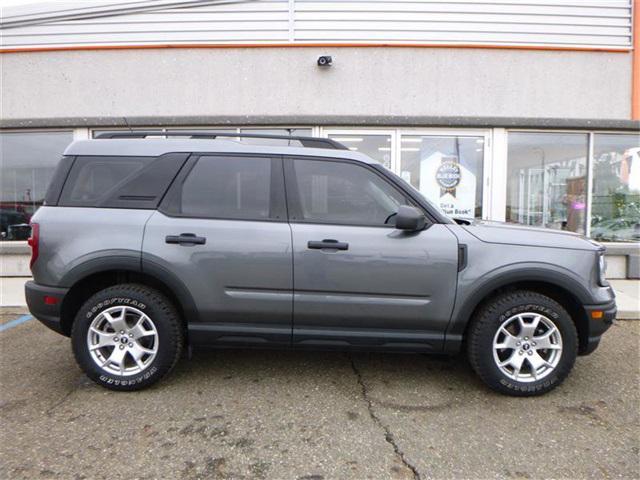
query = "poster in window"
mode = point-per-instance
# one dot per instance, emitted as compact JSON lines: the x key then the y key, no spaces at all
{"x":448,"y":183}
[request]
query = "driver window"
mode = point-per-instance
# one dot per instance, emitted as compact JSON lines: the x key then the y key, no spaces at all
{"x":344,"y":193}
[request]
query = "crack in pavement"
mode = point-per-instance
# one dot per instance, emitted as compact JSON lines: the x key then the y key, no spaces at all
{"x":49,"y":412}
{"x":388,"y":436}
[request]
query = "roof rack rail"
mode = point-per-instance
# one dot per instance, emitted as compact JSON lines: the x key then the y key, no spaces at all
{"x":308,"y":142}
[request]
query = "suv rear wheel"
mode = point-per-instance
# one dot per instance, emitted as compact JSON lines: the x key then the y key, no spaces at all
{"x":127,"y":337}
{"x":522,"y":343}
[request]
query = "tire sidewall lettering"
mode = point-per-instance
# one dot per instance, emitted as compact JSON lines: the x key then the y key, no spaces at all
{"x":124,"y":381}
{"x":124,"y":301}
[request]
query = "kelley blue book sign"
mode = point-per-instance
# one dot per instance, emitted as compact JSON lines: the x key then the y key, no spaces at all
{"x":448,"y":183}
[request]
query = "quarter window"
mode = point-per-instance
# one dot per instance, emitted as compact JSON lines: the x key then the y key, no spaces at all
{"x":93,"y":177}
{"x":224,"y":187}
{"x":343,"y":193}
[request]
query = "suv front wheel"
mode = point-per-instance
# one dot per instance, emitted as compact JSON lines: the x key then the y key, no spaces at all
{"x":127,"y":337}
{"x":522,"y":343}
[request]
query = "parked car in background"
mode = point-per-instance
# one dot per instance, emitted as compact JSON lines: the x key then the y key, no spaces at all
{"x":14,"y":224}
{"x":617,"y":230}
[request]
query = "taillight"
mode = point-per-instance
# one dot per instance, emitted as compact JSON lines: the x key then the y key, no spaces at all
{"x":34,"y":241}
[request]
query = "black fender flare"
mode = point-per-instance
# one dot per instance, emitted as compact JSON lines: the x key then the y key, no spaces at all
{"x":503,"y":277}
{"x":177,"y":286}
{"x":132,"y":261}
{"x":102,"y":261}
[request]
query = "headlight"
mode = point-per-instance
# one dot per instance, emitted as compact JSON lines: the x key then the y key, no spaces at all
{"x":602,"y":270}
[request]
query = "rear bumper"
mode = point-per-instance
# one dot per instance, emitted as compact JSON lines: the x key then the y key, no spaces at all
{"x":46,"y":310}
{"x":597,"y":326}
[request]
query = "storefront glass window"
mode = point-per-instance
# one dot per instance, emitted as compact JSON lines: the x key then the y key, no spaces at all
{"x":27,"y":163}
{"x":615,"y":204}
{"x":448,"y":170}
{"x":546,"y":180}
{"x":377,"y":147}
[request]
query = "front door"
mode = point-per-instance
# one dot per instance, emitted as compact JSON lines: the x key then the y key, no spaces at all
{"x":358,"y":281}
{"x":222,"y":230}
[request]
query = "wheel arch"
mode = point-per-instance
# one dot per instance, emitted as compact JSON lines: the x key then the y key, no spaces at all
{"x":89,"y":279}
{"x":565,"y":290}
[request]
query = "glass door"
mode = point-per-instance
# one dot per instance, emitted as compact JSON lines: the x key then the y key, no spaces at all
{"x":449,"y":168}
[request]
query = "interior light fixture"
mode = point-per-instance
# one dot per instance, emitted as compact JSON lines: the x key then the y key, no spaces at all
{"x":411,"y":140}
{"x":347,"y":139}
{"x":384,"y":149}
{"x":410,"y":149}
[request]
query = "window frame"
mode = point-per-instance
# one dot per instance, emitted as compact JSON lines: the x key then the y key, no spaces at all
{"x":169,"y":205}
{"x":294,"y":205}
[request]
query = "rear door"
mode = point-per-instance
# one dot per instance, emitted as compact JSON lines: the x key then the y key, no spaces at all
{"x":358,"y":281}
{"x":222,"y":231}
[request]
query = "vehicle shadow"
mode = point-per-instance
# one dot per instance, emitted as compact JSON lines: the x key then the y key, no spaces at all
{"x":390,"y":374}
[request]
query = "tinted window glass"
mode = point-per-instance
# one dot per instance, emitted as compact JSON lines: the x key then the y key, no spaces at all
{"x":92,"y":178}
{"x":342,"y":193}
{"x":224,"y":187}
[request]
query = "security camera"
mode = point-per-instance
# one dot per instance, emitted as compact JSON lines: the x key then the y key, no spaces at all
{"x":324,"y":61}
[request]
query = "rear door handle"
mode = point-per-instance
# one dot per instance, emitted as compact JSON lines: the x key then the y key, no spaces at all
{"x":327,"y":244}
{"x":186,"y":239}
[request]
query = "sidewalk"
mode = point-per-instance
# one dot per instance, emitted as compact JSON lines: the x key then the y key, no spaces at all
{"x":627,"y":298}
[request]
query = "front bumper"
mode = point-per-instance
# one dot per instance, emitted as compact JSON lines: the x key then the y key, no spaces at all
{"x":598,"y":323}
{"x":45,"y":304}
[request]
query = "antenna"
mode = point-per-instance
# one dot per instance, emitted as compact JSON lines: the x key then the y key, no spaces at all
{"x":127,"y":124}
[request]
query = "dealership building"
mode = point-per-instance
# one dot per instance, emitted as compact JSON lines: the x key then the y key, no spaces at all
{"x":507,"y":110}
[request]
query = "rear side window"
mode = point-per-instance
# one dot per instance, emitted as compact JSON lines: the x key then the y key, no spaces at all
{"x":120,"y":182}
{"x":229,"y":188}
{"x":93,"y":177}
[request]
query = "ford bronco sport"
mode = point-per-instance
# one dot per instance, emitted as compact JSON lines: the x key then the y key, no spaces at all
{"x":147,"y":246}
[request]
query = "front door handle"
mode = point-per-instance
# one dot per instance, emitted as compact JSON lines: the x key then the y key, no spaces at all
{"x":328,"y":244}
{"x":186,"y":239}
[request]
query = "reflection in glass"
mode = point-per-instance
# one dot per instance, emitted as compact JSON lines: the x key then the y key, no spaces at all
{"x":546,"y":180}
{"x":27,"y":163}
{"x":377,"y":147}
{"x":615,"y":204}
{"x":446,"y":170}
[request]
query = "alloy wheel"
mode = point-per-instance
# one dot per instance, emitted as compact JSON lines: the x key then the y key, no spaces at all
{"x":122,"y":340}
{"x":527,"y":347}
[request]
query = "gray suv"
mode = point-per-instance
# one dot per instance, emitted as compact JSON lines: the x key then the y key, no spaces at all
{"x":146,"y":247}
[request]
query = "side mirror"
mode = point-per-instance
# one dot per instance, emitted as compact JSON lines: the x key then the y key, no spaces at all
{"x":410,"y":218}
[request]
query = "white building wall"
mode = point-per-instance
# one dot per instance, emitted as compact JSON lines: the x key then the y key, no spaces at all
{"x":252,"y":82}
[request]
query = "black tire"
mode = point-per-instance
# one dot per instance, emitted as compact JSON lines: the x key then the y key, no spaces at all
{"x":159,"y":310}
{"x":485,"y":326}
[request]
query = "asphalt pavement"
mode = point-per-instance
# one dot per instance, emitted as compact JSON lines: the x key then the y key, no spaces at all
{"x":235,"y":414}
